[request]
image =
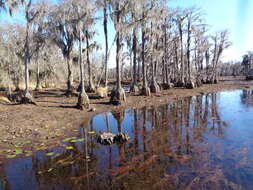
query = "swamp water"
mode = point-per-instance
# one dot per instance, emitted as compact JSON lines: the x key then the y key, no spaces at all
{"x":201,"y":142}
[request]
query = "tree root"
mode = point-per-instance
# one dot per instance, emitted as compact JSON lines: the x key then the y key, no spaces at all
{"x":27,"y":99}
{"x":154,"y":87}
{"x":135,"y":89}
{"x":145,"y":91}
{"x":83,"y":101}
{"x":118,"y":96}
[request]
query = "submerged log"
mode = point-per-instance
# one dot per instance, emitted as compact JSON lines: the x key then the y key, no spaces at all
{"x":110,"y":138}
{"x":121,"y":138}
{"x":106,"y":138}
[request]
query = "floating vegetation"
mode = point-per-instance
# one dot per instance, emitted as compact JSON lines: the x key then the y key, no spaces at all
{"x":69,"y":147}
{"x":18,"y":151}
{"x":92,"y":132}
{"x":11,"y":156}
{"x":28,"y":153}
{"x":50,"y":154}
{"x":50,"y":169}
{"x":69,"y":139}
{"x":77,"y":140}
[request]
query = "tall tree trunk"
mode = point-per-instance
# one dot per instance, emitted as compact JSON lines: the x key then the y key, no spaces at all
{"x":176,"y":63}
{"x":190,"y":83}
{"x":165,"y":76}
{"x":106,"y":42}
{"x":154,"y":88}
{"x":181,"y":54}
{"x":91,"y":87}
{"x":70,"y":87}
{"x":83,"y":99}
{"x":145,"y":88}
{"x":207,"y":57}
{"x":118,"y":95}
{"x":9,"y":91}
{"x":38,"y":85}
{"x":27,"y":99}
{"x":118,"y":59}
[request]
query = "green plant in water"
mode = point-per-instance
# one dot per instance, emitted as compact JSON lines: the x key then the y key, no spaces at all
{"x":50,"y":154}
{"x":11,"y":156}
{"x":69,"y":147}
{"x":18,"y":151}
{"x":69,"y":139}
{"x":77,"y":140}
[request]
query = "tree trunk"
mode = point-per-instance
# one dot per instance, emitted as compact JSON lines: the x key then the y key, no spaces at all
{"x":38,"y":85}
{"x":70,"y":88}
{"x":27,"y":99}
{"x":83,"y":99}
{"x":134,"y":87}
{"x":182,"y":82}
{"x":154,"y":88}
{"x":145,"y":88}
{"x":91,"y":87}
{"x":118,"y":95}
{"x":106,"y":42}
{"x":189,"y":83}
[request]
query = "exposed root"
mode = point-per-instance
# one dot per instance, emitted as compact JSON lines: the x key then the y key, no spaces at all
{"x":118,"y":96}
{"x":166,"y":86}
{"x":27,"y":99}
{"x":145,"y":91}
{"x":83,"y":101}
{"x":154,"y":87}
{"x":70,"y":93}
{"x":135,"y":89}
{"x":91,"y":88}
{"x":190,"y":85}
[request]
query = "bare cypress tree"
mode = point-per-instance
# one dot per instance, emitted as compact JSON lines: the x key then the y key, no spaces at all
{"x":83,"y":99}
{"x":134,"y":87}
{"x":106,"y":41}
{"x":91,"y":87}
{"x":118,"y":94}
{"x":62,"y":34}
{"x":221,"y":42}
{"x":31,"y":14}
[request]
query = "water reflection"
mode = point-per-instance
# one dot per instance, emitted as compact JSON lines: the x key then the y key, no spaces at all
{"x":247,"y":97}
{"x":189,"y":144}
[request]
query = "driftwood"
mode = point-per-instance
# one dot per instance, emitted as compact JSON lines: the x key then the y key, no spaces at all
{"x":110,"y":138}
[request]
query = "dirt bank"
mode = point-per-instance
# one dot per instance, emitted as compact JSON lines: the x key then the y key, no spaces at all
{"x":45,"y":125}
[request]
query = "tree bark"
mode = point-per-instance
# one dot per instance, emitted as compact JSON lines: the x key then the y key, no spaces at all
{"x":145,"y":89}
{"x":118,"y":95}
{"x":83,"y":99}
{"x":181,"y":53}
{"x":38,"y":85}
{"x":27,"y":99}
{"x":106,"y":42}
{"x":91,"y":87}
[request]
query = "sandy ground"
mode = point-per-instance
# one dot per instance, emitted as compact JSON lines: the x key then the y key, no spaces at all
{"x":45,"y":125}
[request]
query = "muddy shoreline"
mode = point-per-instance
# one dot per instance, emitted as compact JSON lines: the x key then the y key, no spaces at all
{"x":44,"y":126}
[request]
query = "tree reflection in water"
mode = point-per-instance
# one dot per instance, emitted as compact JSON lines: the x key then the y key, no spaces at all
{"x":168,"y":150}
{"x":247,"y":97}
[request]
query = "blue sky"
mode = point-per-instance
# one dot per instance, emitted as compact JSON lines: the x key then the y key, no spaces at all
{"x":234,"y":15}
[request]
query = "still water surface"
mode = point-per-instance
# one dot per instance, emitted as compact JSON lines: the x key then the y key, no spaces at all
{"x":201,"y":142}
